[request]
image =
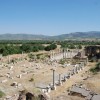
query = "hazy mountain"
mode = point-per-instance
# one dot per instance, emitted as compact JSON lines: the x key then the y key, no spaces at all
{"x":21,"y":36}
{"x":75,"y":35}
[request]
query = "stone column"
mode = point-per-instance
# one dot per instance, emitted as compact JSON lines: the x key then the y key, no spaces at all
{"x":76,"y":70}
{"x":66,"y":53}
{"x":22,"y":56}
{"x":65,"y":78}
{"x":8,"y":59}
{"x":87,"y":60}
{"x":53,"y":54}
{"x":63,"y":53}
{"x":1,"y":57}
{"x":70,"y":54}
{"x":53,"y":77}
{"x":48,"y":89}
{"x":54,"y":87}
{"x":60,"y":83}
{"x":80,"y":66}
{"x":50,"y":54}
{"x":59,"y":51}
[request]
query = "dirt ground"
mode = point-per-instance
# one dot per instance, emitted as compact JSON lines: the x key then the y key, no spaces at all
{"x":92,"y":83}
{"x":41,"y":73}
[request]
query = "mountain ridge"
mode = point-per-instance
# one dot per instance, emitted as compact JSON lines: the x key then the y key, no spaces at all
{"x":74,"y":35}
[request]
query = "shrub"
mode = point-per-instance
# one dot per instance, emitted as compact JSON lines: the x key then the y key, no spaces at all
{"x":96,"y":68}
{"x":31,"y":80}
{"x":62,"y":61}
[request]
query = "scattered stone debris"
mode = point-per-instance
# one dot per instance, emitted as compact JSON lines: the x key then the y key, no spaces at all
{"x":4,"y":81}
{"x":84,"y":93}
{"x":24,"y":95}
{"x":43,"y":97}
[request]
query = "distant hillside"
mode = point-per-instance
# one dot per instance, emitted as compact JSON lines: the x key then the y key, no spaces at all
{"x":76,"y":35}
{"x":22,"y":37}
{"x":79,"y":35}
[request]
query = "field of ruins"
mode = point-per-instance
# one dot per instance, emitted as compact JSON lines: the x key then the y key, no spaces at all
{"x":49,"y":49}
{"x":49,"y":76}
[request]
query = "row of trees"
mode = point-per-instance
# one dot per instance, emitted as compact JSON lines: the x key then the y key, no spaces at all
{"x":17,"y":49}
{"x":71,"y":46}
{"x":26,"y":42}
{"x":51,"y":47}
{"x":74,"y":42}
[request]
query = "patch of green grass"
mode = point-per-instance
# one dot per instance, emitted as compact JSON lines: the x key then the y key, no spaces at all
{"x":95,"y":69}
{"x":62,"y":61}
{"x":1,"y":94}
{"x":31,"y":80}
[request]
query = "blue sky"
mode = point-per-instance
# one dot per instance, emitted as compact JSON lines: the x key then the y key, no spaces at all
{"x":49,"y":17}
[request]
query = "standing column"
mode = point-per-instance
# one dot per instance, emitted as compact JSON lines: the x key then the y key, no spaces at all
{"x":54,"y":87}
{"x":67,"y":53}
{"x":87,"y":60}
{"x":53,"y":77}
{"x":59,"y":51}
{"x":1,"y":58}
{"x":63,"y":53}
{"x":70,"y":54}
{"x":8,"y":59}
{"x":50,"y":54}
{"x":60,"y":83}
{"x":22,"y":55}
{"x":53,"y":54}
{"x":76,"y":70}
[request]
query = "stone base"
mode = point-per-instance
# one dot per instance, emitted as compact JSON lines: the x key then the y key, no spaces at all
{"x":60,"y":84}
{"x":53,"y":88}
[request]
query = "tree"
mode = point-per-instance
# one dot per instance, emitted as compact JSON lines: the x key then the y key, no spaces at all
{"x":71,"y":46}
{"x":51,"y":47}
{"x":79,"y":46}
{"x":26,"y":48}
{"x":35,"y":49}
{"x":96,"y":68}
